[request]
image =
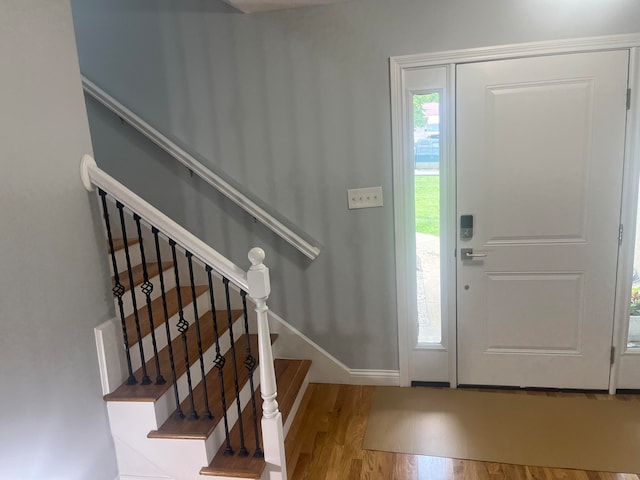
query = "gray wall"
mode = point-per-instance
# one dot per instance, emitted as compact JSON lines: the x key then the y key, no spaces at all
{"x":54,"y":282}
{"x":294,"y":106}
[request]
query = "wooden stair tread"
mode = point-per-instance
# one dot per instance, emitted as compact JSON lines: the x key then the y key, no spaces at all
{"x":150,"y":393}
{"x":202,"y":427}
{"x":138,"y":274}
{"x":290,"y":375}
{"x":157,"y":311}
{"x":118,"y":243}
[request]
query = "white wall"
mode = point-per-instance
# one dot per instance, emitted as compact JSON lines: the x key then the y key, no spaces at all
{"x":53,"y":282}
{"x":294,"y":105}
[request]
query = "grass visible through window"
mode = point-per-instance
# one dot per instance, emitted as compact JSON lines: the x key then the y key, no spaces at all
{"x":428,"y":204}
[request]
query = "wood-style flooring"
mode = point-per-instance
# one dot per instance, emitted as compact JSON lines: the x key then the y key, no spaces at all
{"x":325,"y":443}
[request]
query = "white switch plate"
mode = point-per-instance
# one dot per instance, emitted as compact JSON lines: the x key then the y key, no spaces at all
{"x":365,"y":197}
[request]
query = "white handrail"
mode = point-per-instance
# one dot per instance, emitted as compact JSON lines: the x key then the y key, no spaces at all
{"x":203,"y":172}
{"x":93,"y":176}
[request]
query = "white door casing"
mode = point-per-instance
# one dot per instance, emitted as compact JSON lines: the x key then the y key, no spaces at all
{"x":540,"y":151}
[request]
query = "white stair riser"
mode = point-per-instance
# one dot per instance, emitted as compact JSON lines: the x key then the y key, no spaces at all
{"x":121,"y":258}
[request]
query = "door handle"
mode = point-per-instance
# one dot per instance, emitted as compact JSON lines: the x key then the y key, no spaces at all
{"x":467,"y":254}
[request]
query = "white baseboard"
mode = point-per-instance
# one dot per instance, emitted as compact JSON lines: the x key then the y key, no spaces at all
{"x":375,"y":377}
{"x":325,"y":368}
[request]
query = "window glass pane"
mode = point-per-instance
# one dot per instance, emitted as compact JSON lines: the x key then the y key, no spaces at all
{"x":426,"y":154}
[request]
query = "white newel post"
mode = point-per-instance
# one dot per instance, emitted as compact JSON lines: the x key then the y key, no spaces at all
{"x":272,"y":431}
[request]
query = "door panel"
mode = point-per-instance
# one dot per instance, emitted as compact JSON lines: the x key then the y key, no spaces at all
{"x":518,"y":158}
{"x":540,"y":152}
{"x":544,"y":303}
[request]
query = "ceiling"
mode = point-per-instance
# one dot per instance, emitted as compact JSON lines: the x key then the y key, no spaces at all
{"x":253,"y":6}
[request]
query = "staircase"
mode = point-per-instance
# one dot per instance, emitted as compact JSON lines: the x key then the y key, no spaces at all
{"x":179,"y":363}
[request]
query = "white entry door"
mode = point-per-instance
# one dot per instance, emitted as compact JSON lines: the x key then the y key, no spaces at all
{"x":540,"y":144}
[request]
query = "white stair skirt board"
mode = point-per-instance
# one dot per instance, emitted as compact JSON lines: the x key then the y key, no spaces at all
{"x":111,"y":356}
{"x":325,"y":368}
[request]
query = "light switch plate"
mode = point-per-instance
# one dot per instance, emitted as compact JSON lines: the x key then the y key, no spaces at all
{"x":365,"y":197}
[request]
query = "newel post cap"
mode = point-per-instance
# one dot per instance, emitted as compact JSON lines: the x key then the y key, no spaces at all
{"x":256,"y":256}
{"x":258,"y":274}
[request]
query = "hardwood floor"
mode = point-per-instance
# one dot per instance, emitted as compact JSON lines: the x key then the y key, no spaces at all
{"x":325,"y":443}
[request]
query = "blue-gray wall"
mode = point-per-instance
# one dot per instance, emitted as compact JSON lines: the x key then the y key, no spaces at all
{"x":54,"y":281}
{"x":294,"y":106}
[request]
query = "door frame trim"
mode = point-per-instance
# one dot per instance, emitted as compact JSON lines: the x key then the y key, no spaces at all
{"x":627,"y":359}
{"x":405,"y":267}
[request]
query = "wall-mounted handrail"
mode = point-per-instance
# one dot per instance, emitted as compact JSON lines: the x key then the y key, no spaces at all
{"x":182,"y":156}
{"x":93,"y":176}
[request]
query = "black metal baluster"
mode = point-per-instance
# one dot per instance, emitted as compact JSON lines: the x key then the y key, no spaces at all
{"x":179,"y":413}
{"x":243,"y":449}
{"x":145,"y":377}
{"x":198,"y":336}
{"x":250,"y":363}
{"x":183,"y":326}
{"x":147,"y":289}
{"x":219,"y":363}
{"x":118,"y":290}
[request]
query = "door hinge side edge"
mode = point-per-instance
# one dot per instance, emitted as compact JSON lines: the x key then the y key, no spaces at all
{"x":613,"y":355}
{"x":628,"y":99}
{"x":620,"y":234}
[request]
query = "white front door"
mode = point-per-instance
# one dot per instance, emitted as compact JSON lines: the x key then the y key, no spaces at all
{"x":540,"y":145}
